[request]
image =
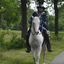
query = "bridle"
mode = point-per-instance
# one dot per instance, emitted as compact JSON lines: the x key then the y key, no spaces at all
{"x":34,"y":30}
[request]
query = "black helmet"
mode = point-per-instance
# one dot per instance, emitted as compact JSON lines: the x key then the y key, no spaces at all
{"x":41,"y":6}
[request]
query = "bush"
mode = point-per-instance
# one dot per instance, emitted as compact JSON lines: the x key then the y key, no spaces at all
{"x":16,"y":43}
{"x":2,"y":39}
{"x":54,"y":37}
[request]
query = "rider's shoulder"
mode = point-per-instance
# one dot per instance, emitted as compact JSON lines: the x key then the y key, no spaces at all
{"x":43,"y":13}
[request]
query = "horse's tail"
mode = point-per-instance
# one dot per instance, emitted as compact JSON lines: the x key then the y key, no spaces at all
{"x":42,"y":52}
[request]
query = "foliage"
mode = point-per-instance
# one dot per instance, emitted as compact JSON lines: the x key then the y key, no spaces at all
{"x":59,"y":36}
{"x":16,"y":43}
{"x":2,"y":42}
{"x":61,"y":24}
{"x":51,"y":26}
{"x":11,"y":11}
{"x":54,"y":37}
{"x":16,"y":26}
{"x":61,"y":8}
{"x":61,"y":15}
{"x":3,"y":24}
{"x":51,"y":23}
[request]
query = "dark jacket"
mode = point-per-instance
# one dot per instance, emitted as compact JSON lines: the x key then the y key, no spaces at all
{"x":43,"y":17}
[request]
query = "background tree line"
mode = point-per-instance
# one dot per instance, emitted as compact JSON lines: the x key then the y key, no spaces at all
{"x":14,"y":15}
{"x":17,"y":25}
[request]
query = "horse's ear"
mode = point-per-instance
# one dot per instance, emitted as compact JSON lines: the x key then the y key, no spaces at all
{"x":32,"y":16}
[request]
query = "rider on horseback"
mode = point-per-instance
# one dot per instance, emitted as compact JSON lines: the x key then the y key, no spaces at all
{"x":43,"y":20}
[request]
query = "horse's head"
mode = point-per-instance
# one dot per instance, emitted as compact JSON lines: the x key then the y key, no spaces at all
{"x":35,"y":25}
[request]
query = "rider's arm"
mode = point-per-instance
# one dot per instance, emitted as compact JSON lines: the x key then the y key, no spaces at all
{"x":46,"y":20}
{"x":30,"y":20}
{"x":44,"y":17}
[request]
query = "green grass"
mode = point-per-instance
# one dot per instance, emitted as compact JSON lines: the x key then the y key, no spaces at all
{"x":19,"y":56}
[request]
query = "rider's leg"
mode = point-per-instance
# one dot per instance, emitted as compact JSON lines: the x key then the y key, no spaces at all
{"x":46,"y":36}
{"x":27,"y":41}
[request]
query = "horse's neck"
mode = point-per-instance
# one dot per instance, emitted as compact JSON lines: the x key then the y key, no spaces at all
{"x":32,"y":30}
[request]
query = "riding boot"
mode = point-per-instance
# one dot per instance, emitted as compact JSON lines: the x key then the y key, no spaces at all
{"x":46,"y":37}
{"x":27,"y":41}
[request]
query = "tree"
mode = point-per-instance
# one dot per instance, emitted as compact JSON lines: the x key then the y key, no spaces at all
{"x":24,"y":17}
{"x":56,"y":16}
{"x":1,"y":9}
{"x":11,"y":13}
{"x":40,"y":2}
{"x":0,"y":19}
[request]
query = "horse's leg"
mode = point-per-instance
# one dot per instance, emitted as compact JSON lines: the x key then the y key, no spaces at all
{"x":33,"y":53}
{"x":38,"y":51}
{"x":44,"y":53}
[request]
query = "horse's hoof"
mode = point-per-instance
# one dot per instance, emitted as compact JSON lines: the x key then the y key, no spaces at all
{"x":37,"y":62}
{"x":44,"y":63}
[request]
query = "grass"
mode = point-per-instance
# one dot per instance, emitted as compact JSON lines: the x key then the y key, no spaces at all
{"x":19,"y":56}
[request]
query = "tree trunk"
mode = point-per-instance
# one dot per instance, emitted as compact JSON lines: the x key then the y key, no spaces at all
{"x":24,"y":17}
{"x":56,"y":16}
{"x":0,"y":20}
{"x":40,"y":2}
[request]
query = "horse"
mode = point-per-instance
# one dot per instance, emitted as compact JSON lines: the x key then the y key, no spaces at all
{"x":36,"y":40}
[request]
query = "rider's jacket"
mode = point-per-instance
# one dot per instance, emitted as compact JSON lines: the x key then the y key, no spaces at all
{"x":43,"y":17}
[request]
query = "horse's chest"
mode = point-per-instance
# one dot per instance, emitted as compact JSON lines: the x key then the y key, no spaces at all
{"x":35,"y":41}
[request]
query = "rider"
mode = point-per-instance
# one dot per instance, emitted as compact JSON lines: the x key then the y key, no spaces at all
{"x":44,"y":21}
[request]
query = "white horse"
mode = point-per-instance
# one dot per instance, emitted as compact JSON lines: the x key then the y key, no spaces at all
{"x":36,"y":40}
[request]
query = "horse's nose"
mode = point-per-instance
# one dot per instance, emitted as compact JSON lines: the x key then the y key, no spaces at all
{"x":36,"y":32}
